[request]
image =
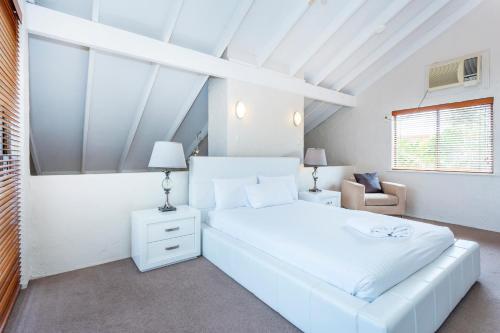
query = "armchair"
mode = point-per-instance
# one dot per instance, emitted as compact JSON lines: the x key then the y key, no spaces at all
{"x":391,"y":202}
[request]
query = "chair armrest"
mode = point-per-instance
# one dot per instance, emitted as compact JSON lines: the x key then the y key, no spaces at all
{"x":396,"y":189}
{"x":353,"y":195}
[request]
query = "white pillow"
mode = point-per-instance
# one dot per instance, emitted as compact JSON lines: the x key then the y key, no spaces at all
{"x":288,"y":181}
{"x":265,"y":195}
{"x":230,"y":192}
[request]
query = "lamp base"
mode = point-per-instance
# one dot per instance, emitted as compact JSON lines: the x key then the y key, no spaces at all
{"x":166,"y":184}
{"x":167,"y":209}
{"x":315,"y":179}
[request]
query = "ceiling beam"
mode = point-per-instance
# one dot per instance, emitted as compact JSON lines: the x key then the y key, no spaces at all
{"x":70,"y":29}
{"x":345,"y":52}
{"x":403,"y":33}
{"x":447,"y":22}
{"x":232,"y":27}
{"x":167,"y":34}
{"x":278,"y":37}
{"x":337,"y":22}
{"x":88,"y":92}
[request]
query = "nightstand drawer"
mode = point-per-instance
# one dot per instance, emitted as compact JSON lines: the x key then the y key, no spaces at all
{"x":173,"y":247}
{"x":166,"y":230}
{"x":325,"y":197}
{"x":335,"y":201}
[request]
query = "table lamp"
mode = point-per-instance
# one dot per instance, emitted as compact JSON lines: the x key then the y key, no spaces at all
{"x":315,"y":157}
{"x":168,"y":156}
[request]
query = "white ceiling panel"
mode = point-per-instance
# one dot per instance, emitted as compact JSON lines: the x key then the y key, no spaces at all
{"x":202,"y":24}
{"x":367,"y":13}
{"x":264,"y":19}
{"x":80,"y":8}
{"x":375,"y":42}
{"x":58,"y":75}
{"x":117,"y":88}
{"x":313,"y":23}
{"x":169,"y":94}
{"x":150,"y":18}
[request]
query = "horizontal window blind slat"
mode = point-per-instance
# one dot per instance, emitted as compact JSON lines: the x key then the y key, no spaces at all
{"x":6,"y":241}
{"x":14,"y":270}
{"x":8,"y":79}
{"x":8,"y":95}
{"x":8,"y":220}
{"x":7,"y":114}
{"x":9,"y":211}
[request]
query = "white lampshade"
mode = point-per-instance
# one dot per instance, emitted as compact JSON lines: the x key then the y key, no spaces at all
{"x":315,"y":157}
{"x":167,"y":155}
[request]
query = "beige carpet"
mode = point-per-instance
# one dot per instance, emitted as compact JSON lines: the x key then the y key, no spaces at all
{"x":195,"y":296}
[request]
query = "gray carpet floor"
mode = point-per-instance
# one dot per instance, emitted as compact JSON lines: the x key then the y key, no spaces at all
{"x":195,"y":296}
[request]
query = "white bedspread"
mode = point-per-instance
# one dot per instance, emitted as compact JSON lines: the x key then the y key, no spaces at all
{"x":315,"y":239}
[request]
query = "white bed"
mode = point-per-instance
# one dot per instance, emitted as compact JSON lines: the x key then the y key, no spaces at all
{"x":315,"y":239}
{"x":272,"y":253}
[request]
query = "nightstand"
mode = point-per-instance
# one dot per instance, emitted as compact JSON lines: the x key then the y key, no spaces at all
{"x":331,"y":198}
{"x":160,"y":239}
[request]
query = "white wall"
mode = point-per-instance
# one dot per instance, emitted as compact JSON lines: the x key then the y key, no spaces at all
{"x":329,"y":178}
{"x":267,"y":128}
{"x":83,"y":220}
{"x":362,"y":137}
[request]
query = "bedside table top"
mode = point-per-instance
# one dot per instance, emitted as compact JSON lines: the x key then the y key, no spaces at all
{"x":182,"y":210}
{"x":322,"y":194}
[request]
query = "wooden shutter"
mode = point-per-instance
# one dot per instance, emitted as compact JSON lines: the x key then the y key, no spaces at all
{"x":454,"y":137}
{"x":10,"y":133}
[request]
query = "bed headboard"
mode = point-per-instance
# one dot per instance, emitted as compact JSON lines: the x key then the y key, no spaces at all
{"x":203,"y":169}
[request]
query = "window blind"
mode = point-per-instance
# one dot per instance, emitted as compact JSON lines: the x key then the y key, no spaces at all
{"x":454,"y":137}
{"x":10,"y":134}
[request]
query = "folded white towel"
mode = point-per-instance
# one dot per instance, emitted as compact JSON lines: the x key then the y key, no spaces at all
{"x":380,"y":227}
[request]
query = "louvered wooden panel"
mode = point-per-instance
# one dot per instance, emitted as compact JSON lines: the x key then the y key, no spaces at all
{"x":10,"y":134}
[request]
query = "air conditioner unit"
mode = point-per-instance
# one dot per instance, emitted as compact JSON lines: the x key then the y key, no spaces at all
{"x":459,"y":72}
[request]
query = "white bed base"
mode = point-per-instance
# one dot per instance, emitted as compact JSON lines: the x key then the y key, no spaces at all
{"x":418,"y":304}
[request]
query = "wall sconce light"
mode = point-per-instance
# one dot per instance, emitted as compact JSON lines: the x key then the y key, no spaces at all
{"x":297,"y":118}
{"x":240,"y":110}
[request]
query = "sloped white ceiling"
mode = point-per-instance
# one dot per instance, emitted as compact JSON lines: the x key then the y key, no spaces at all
{"x":57,"y":99}
{"x":117,"y":88}
{"x":99,"y":112}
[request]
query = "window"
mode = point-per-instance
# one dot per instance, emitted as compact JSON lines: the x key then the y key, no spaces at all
{"x":455,"y":137}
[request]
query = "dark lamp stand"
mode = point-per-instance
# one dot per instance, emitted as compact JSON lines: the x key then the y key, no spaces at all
{"x":315,"y":178}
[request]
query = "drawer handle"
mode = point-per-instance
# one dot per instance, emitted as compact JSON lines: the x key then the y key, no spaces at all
{"x":171,"y":248}
{"x":172,"y":229}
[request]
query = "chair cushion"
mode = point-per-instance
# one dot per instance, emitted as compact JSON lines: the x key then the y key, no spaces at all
{"x":380,"y":199}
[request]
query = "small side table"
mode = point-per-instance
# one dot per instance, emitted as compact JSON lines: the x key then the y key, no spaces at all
{"x":164,"y":238}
